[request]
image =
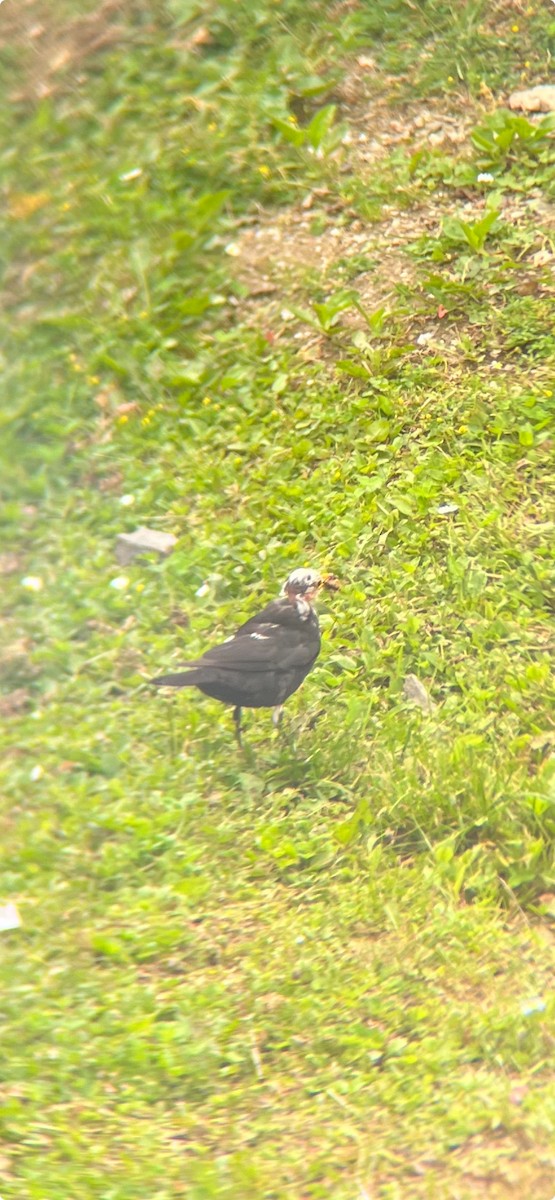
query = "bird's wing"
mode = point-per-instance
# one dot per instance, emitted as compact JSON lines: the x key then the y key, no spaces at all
{"x":265,"y":648}
{"x":275,"y":613}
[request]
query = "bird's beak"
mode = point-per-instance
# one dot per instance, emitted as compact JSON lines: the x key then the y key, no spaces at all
{"x":331,"y":583}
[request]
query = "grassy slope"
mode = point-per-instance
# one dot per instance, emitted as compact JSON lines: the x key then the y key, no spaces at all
{"x":312,"y":970}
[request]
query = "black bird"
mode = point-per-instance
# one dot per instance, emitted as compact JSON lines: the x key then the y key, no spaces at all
{"x":266,"y":660}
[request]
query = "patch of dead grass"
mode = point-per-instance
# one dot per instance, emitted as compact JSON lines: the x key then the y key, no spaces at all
{"x":55,"y":43}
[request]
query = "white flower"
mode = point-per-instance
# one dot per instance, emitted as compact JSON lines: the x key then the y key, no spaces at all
{"x":36,"y":773}
{"x":203,"y":590}
{"x":33,"y":583}
{"x":485,"y":177}
{"x":120,"y":583}
{"x":533,"y":1006}
{"x":127,"y":500}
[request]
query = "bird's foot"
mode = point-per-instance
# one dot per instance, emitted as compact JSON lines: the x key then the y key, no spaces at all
{"x":276,"y":716}
{"x":283,"y":729}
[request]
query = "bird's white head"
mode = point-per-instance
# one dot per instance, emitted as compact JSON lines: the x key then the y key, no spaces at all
{"x":304,"y":584}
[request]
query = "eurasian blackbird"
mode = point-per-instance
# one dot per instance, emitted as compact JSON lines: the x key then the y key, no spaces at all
{"x":266,"y":660}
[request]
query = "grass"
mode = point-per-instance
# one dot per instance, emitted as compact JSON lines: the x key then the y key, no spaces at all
{"x":323,"y":967}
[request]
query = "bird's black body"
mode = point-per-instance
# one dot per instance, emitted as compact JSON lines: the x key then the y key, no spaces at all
{"x":267,"y":658}
{"x":263,"y":663}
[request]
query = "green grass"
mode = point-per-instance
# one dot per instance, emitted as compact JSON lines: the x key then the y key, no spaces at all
{"x":322,"y":967}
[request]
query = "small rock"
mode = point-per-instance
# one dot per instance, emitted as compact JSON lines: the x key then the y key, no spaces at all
{"x":414,"y":690}
{"x":9,"y":917}
{"x":261,"y":287}
{"x":541,"y":258}
{"x":534,"y":99}
{"x":143,"y":541}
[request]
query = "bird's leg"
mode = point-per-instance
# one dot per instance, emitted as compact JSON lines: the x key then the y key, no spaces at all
{"x":237,"y":719}
{"x":276,"y":715}
{"x":283,"y":730}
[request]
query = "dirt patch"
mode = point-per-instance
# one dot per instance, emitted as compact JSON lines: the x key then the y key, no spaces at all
{"x":286,"y":259}
{"x":278,"y":249}
{"x":279,"y":257}
{"x":14,"y":702}
{"x":53,"y":46}
{"x":376,"y":127}
{"x":501,"y":1169}
{"x":280,"y":252}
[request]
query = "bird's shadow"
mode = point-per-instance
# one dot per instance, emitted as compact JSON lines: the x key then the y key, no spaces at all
{"x":286,"y":758}
{"x":280,"y":759}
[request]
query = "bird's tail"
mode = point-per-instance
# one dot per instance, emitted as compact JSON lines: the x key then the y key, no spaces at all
{"x":189,"y":678}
